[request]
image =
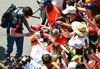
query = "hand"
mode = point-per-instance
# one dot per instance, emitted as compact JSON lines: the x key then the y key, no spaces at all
{"x":36,"y":37}
{"x":43,"y":27}
{"x":85,"y":17}
{"x":59,"y":22}
{"x":31,"y":31}
{"x":79,"y":4}
{"x":63,"y":53}
{"x":92,"y":52}
{"x":28,"y":34}
{"x":58,"y":62}
{"x":84,"y":60}
{"x":46,"y":35}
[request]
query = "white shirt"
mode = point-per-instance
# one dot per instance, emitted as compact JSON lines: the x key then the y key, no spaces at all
{"x":83,"y":39}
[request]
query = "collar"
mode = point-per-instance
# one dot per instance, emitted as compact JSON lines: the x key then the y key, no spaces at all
{"x":50,"y":66}
{"x":19,"y":13}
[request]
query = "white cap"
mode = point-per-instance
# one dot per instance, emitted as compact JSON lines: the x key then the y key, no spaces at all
{"x":74,"y":65}
{"x":70,"y":10}
{"x":75,"y":43}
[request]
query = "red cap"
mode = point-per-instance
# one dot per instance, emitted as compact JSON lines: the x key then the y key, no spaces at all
{"x":36,"y":27}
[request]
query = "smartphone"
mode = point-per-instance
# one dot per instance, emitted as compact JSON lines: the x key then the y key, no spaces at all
{"x":86,"y":42}
{"x":98,"y":47}
{"x":81,"y":14}
{"x":89,"y":50}
{"x":59,"y":57}
{"x":38,"y":2}
{"x":82,"y":58}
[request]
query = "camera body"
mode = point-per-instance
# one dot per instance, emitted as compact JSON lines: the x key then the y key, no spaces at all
{"x":59,"y":57}
{"x":38,"y":2}
{"x":89,"y":50}
{"x":81,"y":14}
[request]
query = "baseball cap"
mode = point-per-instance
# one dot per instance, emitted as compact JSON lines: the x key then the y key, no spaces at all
{"x":69,"y":10}
{"x":33,"y":40}
{"x":70,"y":2}
{"x":74,"y":65}
{"x":44,"y":3}
{"x":75,"y":43}
{"x":27,"y":11}
{"x":36,"y":27}
{"x":90,"y":5}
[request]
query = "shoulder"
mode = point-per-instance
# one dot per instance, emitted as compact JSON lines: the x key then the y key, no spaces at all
{"x":54,"y":65}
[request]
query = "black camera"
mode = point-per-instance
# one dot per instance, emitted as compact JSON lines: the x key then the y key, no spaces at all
{"x":89,"y":50}
{"x":81,"y":14}
{"x":38,"y":2}
{"x":98,"y":47}
{"x":59,"y":57}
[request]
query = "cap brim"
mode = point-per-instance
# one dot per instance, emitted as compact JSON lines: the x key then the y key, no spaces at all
{"x":34,"y":43}
{"x":64,"y":12}
{"x":86,"y":6}
{"x":67,"y":2}
{"x":42,"y":5}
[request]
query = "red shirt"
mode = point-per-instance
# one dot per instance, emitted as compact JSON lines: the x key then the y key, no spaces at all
{"x":61,"y":40}
{"x":91,"y":30}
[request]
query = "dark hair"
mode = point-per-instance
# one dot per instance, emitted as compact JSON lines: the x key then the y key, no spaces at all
{"x":61,"y":18}
{"x":97,"y":18}
{"x":79,"y":51}
{"x":94,"y":11}
{"x":49,"y":8}
{"x":27,"y":11}
{"x":46,"y":58}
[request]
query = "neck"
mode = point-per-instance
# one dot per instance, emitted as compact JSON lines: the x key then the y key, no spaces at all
{"x":48,"y":65}
{"x":21,"y":13}
{"x":90,"y":16}
{"x":81,"y":36}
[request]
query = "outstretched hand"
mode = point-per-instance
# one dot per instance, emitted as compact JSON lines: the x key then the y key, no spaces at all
{"x":59,"y":22}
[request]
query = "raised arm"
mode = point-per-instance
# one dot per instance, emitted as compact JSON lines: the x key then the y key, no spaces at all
{"x":91,"y":23}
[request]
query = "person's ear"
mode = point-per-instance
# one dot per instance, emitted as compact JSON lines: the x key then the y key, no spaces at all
{"x":42,"y":62}
{"x":51,"y":61}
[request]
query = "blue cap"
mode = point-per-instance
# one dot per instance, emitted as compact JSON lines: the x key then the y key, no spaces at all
{"x":44,"y":3}
{"x":90,"y":5}
{"x":71,"y":2}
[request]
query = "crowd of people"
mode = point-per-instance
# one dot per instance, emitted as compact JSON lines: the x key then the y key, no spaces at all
{"x":69,"y":29}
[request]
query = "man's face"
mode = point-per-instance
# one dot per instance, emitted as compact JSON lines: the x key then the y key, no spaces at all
{"x":69,"y":15}
{"x":43,"y":8}
{"x":88,"y":11}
